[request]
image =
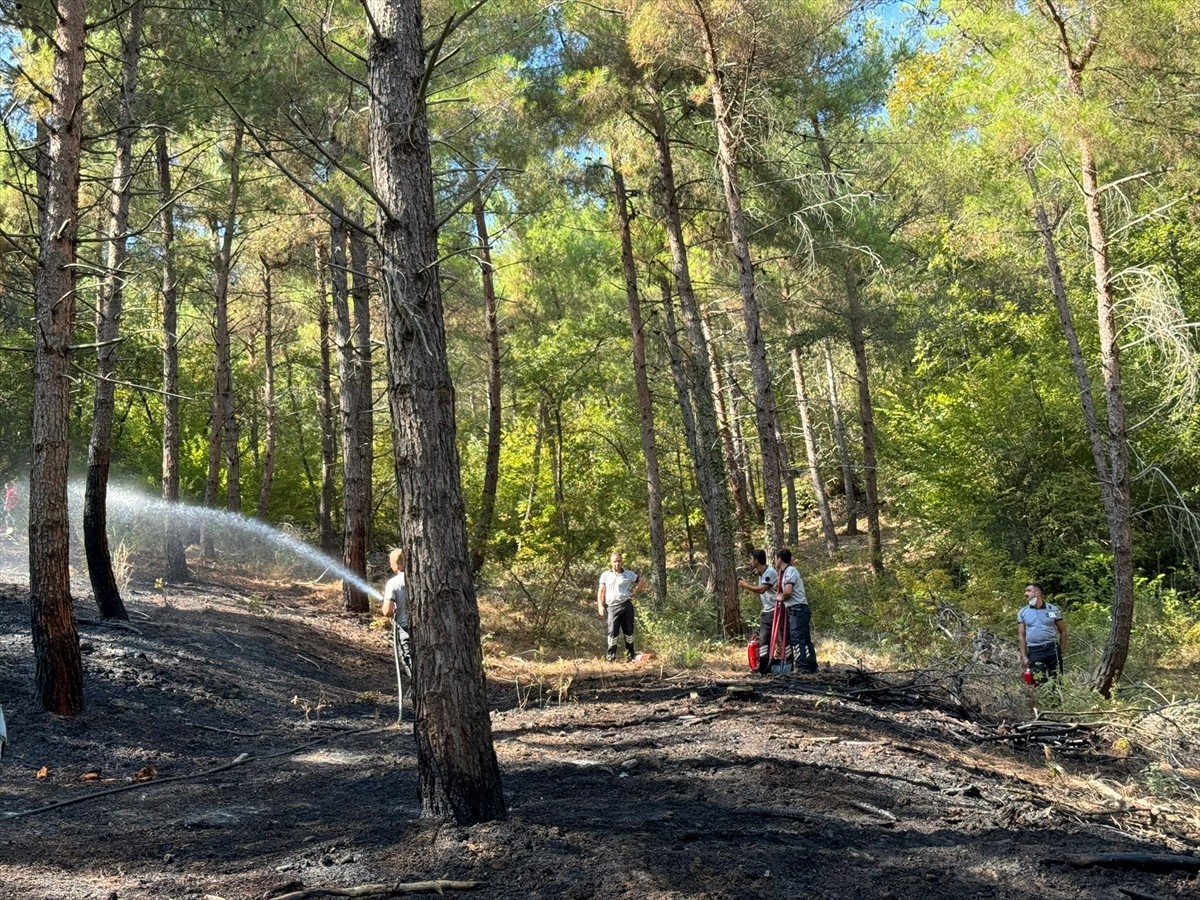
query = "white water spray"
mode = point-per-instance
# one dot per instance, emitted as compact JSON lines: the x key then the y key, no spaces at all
{"x":138,"y":503}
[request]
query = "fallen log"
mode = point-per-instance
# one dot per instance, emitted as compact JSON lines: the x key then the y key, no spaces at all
{"x":382,"y":890}
{"x":1148,"y":862}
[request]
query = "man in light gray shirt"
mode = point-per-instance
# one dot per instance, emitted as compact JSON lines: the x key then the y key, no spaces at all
{"x":616,"y":590}
{"x":1041,"y":633}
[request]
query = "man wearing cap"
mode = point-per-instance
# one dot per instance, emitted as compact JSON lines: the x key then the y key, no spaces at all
{"x":1042,"y":634}
{"x":617,"y":587}
{"x":765,"y":588}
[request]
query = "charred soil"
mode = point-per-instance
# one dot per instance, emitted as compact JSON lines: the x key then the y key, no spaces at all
{"x":622,"y":780}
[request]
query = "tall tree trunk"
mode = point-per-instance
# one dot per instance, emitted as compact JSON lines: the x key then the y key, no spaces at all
{"x":1118,"y":507}
{"x":765,"y":414}
{"x":354,"y":511}
{"x":839,"y":434}
{"x":724,"y":409}
{"x":108,"y":327}
{"x":539,"y":436}
{"x":222,"y":267}
{"x":173,"y":552}
{"x":733,"y":392}
{"x":710,"y":468}
{"x":268,"y":463}
{"x":491,"y":468}
{"x":457,"y":771}
{"x":810,"y":448}
{"x":658,"y":540}
{"x":58,"y":670}
{"x":328,"y":452}
{"x":786,"y":473}
{"x":297,"y":416}
{"x":360,"y":296}
{"x":858,"y":343}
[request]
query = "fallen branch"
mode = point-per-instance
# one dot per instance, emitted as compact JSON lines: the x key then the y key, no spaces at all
{"x":225,"y":730}
{"x":241,"y":760}
{"x":873,"y":810}
{"x":1149,"y":862}
{"x":382,"y":890}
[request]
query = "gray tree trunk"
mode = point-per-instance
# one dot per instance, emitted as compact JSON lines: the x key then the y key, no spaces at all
{"x":268,"y":461}
{"x":839,"y":434}
{"x":328,"y":452}
{"x":58,"y":670}
{"x":765,"y":413}
{"x":810,"y":448}
{"x":108,"y":328}
{"x":173,"y":552}
{"x":491,"y":469}
{"x":709,"y":465}
{"x":658,"y":540}
{"x":354,"y":510}
{"x":222,"y":268}
{"x":457,"y":771}
{"x":360,"y":296}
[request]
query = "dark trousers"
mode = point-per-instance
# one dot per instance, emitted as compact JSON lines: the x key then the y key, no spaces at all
{"x":804,"y":654}
{"x":1045,"y":660}
{"x":620,"y":619}
{"x":765,"y":621}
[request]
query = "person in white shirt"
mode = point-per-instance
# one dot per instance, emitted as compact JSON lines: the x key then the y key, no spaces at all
{"x":395,"y":607}
{"x":1041,"y":633}
{"x":789,"y":590}
{"x":615,"y":593}
{"x":765,"y":588}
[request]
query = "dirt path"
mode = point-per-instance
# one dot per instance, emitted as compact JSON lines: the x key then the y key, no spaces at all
{"x":639,"y":783}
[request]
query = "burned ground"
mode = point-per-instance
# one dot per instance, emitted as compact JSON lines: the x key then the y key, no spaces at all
{"x":621,"y":780}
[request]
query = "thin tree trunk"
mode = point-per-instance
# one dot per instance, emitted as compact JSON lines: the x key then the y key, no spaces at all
{"x":539,"y":436}
{"x":58,"y":670}
{"x":810,"y":448}
{"x":222,"y":266}
{"x":733,"y":391}
{"x":294,"y":401}
{"x":734,"y":468}
{"x":491,"y":468}
{"x":765,"y":414}
{"x":709,"y":465}
{"x":858,"y":342}
{"x":354,"y":511}
{"x":108,"y":327}
{"x":268,"y":463}
{"x":839,"y":433}
{"x":328,"y":453}
{"x":176,"y":558}
{"x":360,"y":296}
{"x":457,"y":772}
{"x":658,"y":541}
{"x":788,"y":477}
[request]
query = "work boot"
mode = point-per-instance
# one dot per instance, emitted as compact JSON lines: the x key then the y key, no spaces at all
{"x":611,"y":655}
{"x":629,"y":654}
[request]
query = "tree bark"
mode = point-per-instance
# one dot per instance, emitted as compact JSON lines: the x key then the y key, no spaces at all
{"x":58,"y":670}
{"x":732,"y":450}
{"x":710,"y":469}
{"x":173,"y":552}
{"x":810,"y":448}
{"x":222,"y":267}
{"x":360,"y":296}
{"x":109,"y":304}
{"x":858,"y":343}
{"x":839,"y":434}
{"x":268,"y":461}
{"x":658,"y":540}
{"x":765,"y":413}
{"x":491,"y":469}
{"x":458,"y":774}
{"x":354,"y":511}
{"x":328,"y":451}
